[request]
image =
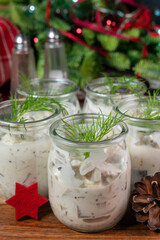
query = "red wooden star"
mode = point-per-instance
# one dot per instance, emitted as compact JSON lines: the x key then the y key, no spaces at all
{"x":26,"y":201}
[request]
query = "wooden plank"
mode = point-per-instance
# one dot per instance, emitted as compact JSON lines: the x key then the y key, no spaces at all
{"x":48,"y":227}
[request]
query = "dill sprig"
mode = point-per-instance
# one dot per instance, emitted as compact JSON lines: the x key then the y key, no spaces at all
{"x":152,"y":108}
{"x":39,"y":90}
{"x":95,"y":131}
{"x":124,"y":85}
{"x":26,"y":84}
{"x":29,"y":104}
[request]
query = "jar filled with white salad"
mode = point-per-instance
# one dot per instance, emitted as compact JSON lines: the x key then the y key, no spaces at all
{"x":104,"y":93}
{"x":143,"y":118}
{"x":89,"y":171}
{"x":25,"y":143}
{"x":60,"y":89}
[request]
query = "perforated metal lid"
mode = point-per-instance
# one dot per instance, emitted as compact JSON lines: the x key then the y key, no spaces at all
{"x":53,"y":36}
{"x":21,"y":43}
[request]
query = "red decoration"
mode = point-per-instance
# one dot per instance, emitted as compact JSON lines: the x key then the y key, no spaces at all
{"x":7,"y":35}
{"x":48,"y":11}
{"x":79,"y":30}
{"x":141,"y":19}
{"x":98,"y":27}
{"x":26,"y":201}
{"x":108,"y":22}
{"x":36,"y":40}
{"x":138,"y":75}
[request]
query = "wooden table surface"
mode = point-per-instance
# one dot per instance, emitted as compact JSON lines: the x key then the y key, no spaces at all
{"x":48,"y":227}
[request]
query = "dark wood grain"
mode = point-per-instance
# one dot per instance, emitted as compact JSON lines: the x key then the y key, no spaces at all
{"x":48,"y":227}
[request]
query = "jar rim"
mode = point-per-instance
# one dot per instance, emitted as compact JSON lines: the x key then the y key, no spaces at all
{"x":62,"y":140}
{"x":130,"y":118}
{"x":89,"y":88}
{"x":37,"y":81}
{"x":7,"y":103}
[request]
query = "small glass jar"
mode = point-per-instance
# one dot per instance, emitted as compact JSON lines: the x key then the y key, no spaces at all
{"x":154,"y":84}
{"x":89,"y":183}
{"x":24,"y":149}
{"x":99,"y":97}
{"x":62,"y":90}
{"x":143,"y":139}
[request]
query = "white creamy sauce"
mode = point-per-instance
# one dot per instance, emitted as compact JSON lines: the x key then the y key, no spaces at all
{"x":144,"y":149}
{"x":95,"y":107}
{"x":89,"y":194}
{"x":24,"y":157}
{"x":24,"y":162}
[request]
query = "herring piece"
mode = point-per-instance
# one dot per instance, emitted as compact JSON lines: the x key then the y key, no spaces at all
{"x":96,"y":175}
{"x":76,"y":163}
{"x":86,"y":167}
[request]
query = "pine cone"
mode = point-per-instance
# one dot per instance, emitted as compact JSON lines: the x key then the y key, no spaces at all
{"x":146,"y":201}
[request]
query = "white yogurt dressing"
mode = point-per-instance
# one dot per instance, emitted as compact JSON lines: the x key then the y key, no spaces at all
{"x":24,"y":157}
{"x":89,"y":194}
{"x":144,"y":149}
{"x":105,"y":105}
{"x":96,"y":107}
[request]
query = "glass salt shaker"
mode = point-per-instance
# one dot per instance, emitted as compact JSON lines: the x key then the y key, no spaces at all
{"x":23,"y":62}
{"x":55,"y":65}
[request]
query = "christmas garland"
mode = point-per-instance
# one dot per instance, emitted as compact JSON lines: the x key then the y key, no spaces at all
{"x":97,"y":34}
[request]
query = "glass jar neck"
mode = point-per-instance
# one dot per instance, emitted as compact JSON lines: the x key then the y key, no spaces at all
{"x":43,"y":119}
{"x":133,"y":112}
{"x":117,"y":134}
{"x":53,"y":88}
{"x":101,"y":89}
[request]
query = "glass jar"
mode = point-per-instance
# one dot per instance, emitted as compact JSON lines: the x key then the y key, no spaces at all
{"x":24,"y":149}
{"x":89,"y":183}
{"x":62,"y":90}
{"x":99,"y":96}
{"x":143,"y":139}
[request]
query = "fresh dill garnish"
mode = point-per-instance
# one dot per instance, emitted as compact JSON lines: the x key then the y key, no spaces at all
{"x":36,"y":88}
{"x":86,"y":155}
{"x":29,"y":104}
{"x":152,"y":108}
{"x":124,"y":85}
{"x":95,"y":131}
{"x":25,"y":82}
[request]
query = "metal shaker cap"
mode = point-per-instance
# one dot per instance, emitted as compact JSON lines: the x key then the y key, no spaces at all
{"x":21,"y":43}
{"x":53,"y":36}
